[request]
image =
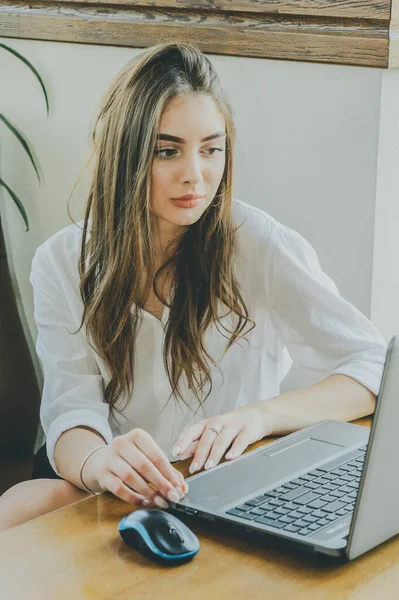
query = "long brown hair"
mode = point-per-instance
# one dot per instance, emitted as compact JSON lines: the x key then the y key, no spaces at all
{"x":117,"y":252}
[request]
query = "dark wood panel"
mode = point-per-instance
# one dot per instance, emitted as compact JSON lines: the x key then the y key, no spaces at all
{"x":362,"y":9}
{"x":345,"y":41}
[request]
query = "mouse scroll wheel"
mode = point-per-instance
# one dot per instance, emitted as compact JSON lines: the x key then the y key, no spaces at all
{"x":176,"y":534}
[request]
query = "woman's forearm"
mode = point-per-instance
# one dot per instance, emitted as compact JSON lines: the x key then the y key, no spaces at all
{"x":71,"y":449}
{"x":337,"y":397}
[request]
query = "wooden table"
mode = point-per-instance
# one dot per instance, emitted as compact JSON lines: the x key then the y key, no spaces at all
{"x":76,"y":552}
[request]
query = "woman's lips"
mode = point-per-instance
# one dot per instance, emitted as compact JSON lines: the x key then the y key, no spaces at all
{"x":187,"y":203}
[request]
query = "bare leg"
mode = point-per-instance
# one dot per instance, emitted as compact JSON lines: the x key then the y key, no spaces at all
{"x":34,"y":498}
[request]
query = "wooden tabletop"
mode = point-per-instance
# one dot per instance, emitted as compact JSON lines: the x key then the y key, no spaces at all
{"x":76,"y":552}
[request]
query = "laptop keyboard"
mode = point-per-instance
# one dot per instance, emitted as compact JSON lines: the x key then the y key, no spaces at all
{"x":307,"y":503}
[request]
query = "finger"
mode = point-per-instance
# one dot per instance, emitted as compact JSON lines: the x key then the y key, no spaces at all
{"x":220,"y":445}
{"x":131,"y":496}
{"x":187,"y":437}
{"x":147,"y":503}
{"x":153,"y":468}
{"x":241,"y":442}
{"x":203,"y":450}
{"x":190,"y":451}
{"x":183,"y":484}
{"x":114,"y":485}
{"x":133,"y":480}
{"x":150,"y":448}
{"x":182,"y":480}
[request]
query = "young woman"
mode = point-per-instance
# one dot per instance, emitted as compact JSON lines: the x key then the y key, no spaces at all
{"x":168,"y":317}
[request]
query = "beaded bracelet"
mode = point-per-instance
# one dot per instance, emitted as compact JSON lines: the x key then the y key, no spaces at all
{"x":83,"y":464}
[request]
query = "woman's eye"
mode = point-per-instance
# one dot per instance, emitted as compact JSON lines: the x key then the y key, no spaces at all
{"x":216,"y":148}
{"x":162,"y":152}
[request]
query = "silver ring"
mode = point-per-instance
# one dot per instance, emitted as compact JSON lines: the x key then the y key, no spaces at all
{"x":216,"y":428}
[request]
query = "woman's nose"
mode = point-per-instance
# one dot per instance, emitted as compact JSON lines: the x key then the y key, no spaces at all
{"x":192,"y":170}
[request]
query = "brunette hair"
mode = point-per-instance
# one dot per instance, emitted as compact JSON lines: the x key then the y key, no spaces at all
{"x":117,"y":251}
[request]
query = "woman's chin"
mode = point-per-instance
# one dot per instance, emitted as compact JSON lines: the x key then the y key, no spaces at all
{"x":185,"y":217}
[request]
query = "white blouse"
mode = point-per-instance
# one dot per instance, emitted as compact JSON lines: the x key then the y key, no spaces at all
{"x":299,"y":314}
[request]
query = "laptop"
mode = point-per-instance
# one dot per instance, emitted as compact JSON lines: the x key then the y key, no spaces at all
{"x":330,"y":488}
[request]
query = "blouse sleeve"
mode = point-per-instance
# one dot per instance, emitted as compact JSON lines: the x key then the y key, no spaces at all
{"x":73,"y":389}
{"x":321,"y":330}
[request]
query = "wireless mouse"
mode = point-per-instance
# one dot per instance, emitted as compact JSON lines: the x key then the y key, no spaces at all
{"x":159,"y":535}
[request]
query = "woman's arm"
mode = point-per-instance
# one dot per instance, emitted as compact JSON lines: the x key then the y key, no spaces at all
{"x":70,"y":450}
{"x":336,"y":345}
{"x":72,"y":400}
{"x":73,"y":412}
{"x":337,"y":397}
{"x":133,"y":467}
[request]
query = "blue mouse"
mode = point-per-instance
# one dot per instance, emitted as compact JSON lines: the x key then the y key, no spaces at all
{"x":159,"y":535}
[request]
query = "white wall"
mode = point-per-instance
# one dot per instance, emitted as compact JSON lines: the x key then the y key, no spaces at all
{"x":385,"y":282}
{"x":307,"y":150}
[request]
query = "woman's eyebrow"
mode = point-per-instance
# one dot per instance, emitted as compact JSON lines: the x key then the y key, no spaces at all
{"x":172,"y":138}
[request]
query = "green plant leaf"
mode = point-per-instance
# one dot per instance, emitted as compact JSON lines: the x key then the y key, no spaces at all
{"x":18,"y":202}
{"x":32,"y":68}
{"x":22,"y":140}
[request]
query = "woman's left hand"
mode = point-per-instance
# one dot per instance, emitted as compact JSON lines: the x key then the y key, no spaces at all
{"x":240,"y":428}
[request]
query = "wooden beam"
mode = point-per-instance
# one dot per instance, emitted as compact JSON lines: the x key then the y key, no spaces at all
{"x":359,"y":9}
{"x":349,"y":41}
{"x":394,"y":36}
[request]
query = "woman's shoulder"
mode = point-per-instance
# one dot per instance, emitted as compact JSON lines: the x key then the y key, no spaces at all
{"x":256,"y":226}
{"x":251,"y":218}
{"x":60,"y":249}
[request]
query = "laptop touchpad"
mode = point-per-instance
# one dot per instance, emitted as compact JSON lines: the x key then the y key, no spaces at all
{"x":241,"y":480}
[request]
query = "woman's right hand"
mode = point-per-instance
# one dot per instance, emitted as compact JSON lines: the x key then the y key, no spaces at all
{"x":136,"y":470}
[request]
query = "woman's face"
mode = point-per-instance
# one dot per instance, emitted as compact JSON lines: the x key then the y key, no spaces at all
{"x":189,"y":165}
